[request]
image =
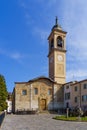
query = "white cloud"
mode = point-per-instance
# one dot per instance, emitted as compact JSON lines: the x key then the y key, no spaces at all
{"x":75,"y":22}
{"x":16,"y":56}
{"x":13,"y":55}
{"x":76,"y":75}
{"x":25,"y":6}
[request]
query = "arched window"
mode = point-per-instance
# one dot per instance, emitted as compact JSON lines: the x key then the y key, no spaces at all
{"x":59,"y":42}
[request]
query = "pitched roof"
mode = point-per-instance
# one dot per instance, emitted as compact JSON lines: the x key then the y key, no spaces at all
{"x":71,"y":82}
{"x":41,"y":77}
{"x":35,"y":79}
{"x":80,"y":81}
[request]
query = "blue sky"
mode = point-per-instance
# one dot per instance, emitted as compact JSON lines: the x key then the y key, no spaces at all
{"x":24,"y":28}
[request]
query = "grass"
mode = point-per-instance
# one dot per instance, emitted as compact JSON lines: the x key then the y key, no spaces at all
{"x":84,"y":119}
{"x":64,"y":118}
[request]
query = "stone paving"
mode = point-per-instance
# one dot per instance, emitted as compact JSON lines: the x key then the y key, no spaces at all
{"x":39,"y":122}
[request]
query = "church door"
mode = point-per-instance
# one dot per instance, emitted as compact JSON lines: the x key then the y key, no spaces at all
{"x":43,"y":104}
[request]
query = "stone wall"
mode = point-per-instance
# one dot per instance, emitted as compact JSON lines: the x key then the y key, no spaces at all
{"x":48,"y":97}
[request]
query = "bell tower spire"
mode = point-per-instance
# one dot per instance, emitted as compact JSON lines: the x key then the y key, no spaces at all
{"x":56,"y":21}
{"x":57,"y":53}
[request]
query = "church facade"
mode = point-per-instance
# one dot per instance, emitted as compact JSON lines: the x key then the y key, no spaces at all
{"x":51,"y":93}
{"x":45,"y":93}
{"x":37,"y":94}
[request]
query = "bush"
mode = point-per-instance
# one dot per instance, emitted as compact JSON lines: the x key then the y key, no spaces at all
{"x":76,"y":112}
{"x":84,"y":113}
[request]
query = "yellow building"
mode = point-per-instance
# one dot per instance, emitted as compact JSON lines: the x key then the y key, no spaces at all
{"x":57,"y":54}
{"x":75,"y":94}
{"x":44,"y":93}
{"x":37,"y":94}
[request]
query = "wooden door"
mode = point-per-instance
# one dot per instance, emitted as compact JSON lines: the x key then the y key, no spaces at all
{"x":43,"y":104}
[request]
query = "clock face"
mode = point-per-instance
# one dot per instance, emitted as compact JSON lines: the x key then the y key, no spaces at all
{"x":60,"y":58}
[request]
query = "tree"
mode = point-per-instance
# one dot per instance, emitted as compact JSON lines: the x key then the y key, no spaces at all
{"x":3,"y":93}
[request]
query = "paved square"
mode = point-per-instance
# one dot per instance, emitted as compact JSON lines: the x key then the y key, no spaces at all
{"x":39,"y":122}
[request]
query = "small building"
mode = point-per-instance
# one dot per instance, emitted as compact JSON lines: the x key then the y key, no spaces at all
{"x":75,"y":94}
{"x":39,"y":94}
{"x":9,"y":104}
{"x":68,"y":94}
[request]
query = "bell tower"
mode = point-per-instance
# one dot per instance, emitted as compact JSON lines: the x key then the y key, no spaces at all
{"x":57,"y":54}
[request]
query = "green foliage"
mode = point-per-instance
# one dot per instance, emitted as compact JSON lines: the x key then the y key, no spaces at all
{"x":3,"y":93}
{"x":64,"y":118}
{"x":77,"y":111}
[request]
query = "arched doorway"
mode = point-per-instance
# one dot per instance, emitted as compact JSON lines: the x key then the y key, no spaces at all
{"x":43,"y":104}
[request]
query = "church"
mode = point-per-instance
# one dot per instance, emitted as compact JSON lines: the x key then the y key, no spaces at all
{"x":50,"y":93}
